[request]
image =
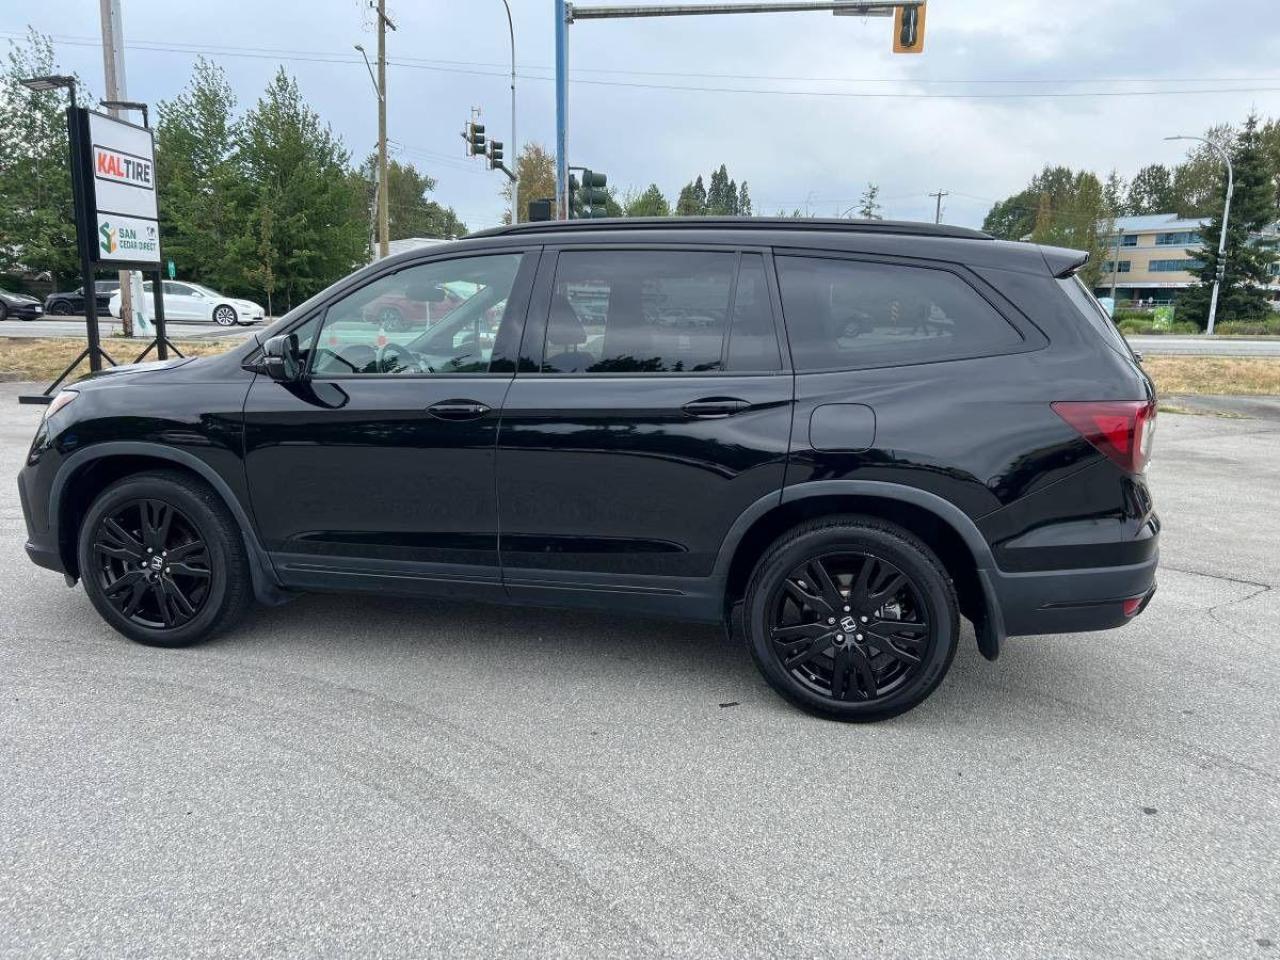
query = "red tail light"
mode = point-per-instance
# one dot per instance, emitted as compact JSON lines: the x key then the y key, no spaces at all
{"x":1122,"y":429}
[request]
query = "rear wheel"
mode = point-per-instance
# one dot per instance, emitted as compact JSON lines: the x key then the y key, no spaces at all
{"x":162,"y":560}
{"x":4,"y":311}
{"x":851,"y":618}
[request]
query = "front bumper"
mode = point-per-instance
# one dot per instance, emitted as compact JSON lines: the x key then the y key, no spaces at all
{"x":26,"y":311}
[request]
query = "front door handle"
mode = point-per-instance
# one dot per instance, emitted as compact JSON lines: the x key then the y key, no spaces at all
{"x":715,"y":407}
{"x":458,"y":409}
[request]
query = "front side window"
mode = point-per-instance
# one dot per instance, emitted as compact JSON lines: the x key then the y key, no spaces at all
{"x":431,"y":318}
{"x":845,"y":314}
{"x":659,"y":311}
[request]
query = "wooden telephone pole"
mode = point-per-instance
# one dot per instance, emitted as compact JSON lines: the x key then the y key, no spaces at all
{"x":384,"y":230}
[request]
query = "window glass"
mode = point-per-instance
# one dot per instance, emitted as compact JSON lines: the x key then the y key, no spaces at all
{"x":638,"y":311}
{"x":753,"y":338}
{"x":842,"y":314}
{"x":440,"y":317}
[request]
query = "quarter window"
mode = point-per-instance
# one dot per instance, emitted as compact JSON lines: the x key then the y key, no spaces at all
{"x":432,"y":318}
{"x":843,"y":314}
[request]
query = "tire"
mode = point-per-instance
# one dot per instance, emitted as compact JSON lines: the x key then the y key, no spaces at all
{"x":224,"y":315}
{"x":60,"y":308}
{"x":4,"y":311}
{"x":214,"y":582}
{"x":802,"y":652}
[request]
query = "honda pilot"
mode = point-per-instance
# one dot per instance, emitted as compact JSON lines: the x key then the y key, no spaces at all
{"x":837,"y":438}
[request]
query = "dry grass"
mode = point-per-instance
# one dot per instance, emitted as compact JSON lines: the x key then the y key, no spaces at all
{"x":39,"y":359}
{"x":1206,"y":375}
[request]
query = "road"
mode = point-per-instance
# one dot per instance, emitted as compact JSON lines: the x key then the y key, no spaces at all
{"x":355,"y":777}
{"x":74,"y":327}
{"x":1205,"y":346}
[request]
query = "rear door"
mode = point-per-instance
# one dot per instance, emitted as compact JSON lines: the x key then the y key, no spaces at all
{"x":181,"y":303}
{"x":652,"y":409}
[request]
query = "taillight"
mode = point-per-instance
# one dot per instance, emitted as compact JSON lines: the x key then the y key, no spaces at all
{"x":1122,"y":429}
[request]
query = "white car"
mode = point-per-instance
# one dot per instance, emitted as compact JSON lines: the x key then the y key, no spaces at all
{"x":188,"y":302}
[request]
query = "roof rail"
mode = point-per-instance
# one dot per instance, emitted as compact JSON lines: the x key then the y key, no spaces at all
{"x":813,"y":224}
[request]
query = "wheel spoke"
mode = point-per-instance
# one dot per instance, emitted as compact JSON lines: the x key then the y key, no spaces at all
{"x":821,"y":579}
{"x":181,"y":605}
{"x":805,"y":650}
{"x":162,"y":603}
{"x":115,"y":541}
{"x":187,"y":570}
{"x":118,"y":586}
{"x":861,"y":583}
{"x":157,"y":516}
{"x":135,"y":598}
{"x":852,"y":677}
{"x":806,"y":596}
{"x":902,"y":641}
{"x":887,"y":590}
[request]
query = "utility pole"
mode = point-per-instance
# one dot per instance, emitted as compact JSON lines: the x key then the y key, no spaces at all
{"x":1115,"y":267}
{"x":384,"y":229}
{"x":113,"y":70}
{"x":937,"y":212}
{"x":515,"y":144}
{"x":909,"y":38}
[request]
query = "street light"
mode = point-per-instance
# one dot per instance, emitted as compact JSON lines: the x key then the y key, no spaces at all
{"x":1226,"y":213}
{"x":368,"y":66}
{"x":515,"y":144}
{"x":55,"y":81}
{"x":127,"y":105}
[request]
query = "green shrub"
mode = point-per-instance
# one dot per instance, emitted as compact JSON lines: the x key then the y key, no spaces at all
{"x":1249,"y":328}
{"x":1145,"y":326}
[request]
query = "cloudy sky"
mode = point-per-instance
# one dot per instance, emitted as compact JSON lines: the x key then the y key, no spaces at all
{"x":806,"y":107}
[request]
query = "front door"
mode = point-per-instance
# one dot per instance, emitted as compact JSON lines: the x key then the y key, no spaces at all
{"x":659,"y":412}
{"x":377,"y":468}
{"x":181,"y":303}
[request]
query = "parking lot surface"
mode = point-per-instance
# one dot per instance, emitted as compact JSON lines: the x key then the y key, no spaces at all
{"x":366,"y":777}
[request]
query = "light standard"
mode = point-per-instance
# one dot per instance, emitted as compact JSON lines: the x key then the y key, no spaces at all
{"x":1226,"y":214}
{"x":515,"y":144}
{"x":382,"y":154}
{"x":1115,"y":267}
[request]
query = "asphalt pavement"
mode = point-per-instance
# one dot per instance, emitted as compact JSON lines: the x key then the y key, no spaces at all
{"x":355,"y":777}
{"x":1165,"y":345}
{"x":74,"y":326}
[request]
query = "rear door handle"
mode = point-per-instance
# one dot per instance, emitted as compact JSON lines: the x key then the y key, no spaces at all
{"x":458,"y":409}
{"x":714,"y":407}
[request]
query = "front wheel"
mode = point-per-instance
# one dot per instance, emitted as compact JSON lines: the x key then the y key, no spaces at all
{"x":224,"y":315}
{"x":162,"y":560}
{"x":60,"y":308}
{"x":4,"y":311}
{"x":851,"y":618}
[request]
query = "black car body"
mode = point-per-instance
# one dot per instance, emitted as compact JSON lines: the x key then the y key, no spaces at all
{"x":774,"y":424}
{"x":19,"y":306}
{"x":72,"y":301}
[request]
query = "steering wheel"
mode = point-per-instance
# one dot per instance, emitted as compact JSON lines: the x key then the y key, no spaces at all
{"x":393,"y":357}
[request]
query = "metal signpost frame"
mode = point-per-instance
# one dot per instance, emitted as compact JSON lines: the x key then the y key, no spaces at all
{"x":567,"y":13}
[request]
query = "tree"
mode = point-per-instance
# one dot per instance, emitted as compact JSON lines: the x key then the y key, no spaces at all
{"x":37,"y":228}
{"x":410,"y":210}
{"x":1270,"y":135}
{"x":1197,"y":181}
{"x":651,"y":203}
{"x":1113,"y":195}
{"x":869,"y":204}
{"x":536,"y":168}
{"x":1151,"y":191}
{"x":692,"y":201}
{"x":1253,"y":207}
{"x":1012,"y":218}
{"x":744,"y":201}
{"x":302,"y":185}
{"x":205,"y":198}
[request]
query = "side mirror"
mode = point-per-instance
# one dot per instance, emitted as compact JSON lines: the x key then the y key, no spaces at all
{"x":281,"y":358}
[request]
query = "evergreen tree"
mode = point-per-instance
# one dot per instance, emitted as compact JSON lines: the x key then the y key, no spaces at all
{"x":744,"y":201}
{"x":302,"y":187}
{"x":1253,"y":207}
{"x":731,"y":199}
{"x":1113,"y":195}
{"x":651,"y":203}
{"x":718,"y":193}
{"x":1151,"y":191}
{"x":37,"y":229}
{"x":869,"y":205}
{"x":1197,"y":182}
{"x":410,"y":210}
{"x":536,"y":168}
{"x":692,"y":201}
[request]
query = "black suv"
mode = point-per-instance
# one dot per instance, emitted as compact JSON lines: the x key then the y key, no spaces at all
{"x":72,"y":301}
{"x":837,"y":437}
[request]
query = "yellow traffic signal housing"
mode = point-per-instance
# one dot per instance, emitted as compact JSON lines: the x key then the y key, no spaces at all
{"x":908,"y":29}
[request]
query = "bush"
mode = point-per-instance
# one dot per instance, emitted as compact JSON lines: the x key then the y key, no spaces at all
{"x":1145,"y":326}
{"x":1249,"y":328}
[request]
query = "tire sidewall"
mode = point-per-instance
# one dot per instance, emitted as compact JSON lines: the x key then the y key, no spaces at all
{"x":198,"y":513}
{"x":60,"y":308}
{"x":235,"y":317}
{"x":935,"y":593}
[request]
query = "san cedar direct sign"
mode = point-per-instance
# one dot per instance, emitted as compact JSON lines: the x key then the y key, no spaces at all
{"x":123,"y":193}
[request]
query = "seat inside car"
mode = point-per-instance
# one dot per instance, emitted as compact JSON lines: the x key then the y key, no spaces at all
{"x":566,"y":331}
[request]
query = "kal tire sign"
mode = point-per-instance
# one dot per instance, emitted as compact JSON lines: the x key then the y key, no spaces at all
{"x":121,"y":193}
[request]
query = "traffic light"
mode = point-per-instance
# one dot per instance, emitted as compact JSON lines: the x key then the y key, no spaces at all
{"x":594,"y":196}
{"x":475,"y":138}
{"x":908,"y":29}
{"x":1220,"y":273}
{"x":574,"y":210}
{"x":495,"y":154}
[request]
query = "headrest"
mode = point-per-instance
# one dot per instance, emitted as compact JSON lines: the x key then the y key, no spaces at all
{"x":564,"y":327}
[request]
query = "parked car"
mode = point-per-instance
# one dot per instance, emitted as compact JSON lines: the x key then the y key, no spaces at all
{"x":19,"y":305}
{"x":395,"y":311}
{"x":193,"y":303}
{"x":72,"y":302}
{"x":836,"y":437}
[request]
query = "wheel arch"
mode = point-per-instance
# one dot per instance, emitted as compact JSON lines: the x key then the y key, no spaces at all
{"x":88,"y":471}
{"x":947,"y":530}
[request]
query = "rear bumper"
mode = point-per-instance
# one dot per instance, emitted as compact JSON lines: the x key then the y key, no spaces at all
{"x":1072,"y":601}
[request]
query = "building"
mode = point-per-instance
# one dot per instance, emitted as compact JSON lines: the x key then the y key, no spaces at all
{"x":1154,"y":264}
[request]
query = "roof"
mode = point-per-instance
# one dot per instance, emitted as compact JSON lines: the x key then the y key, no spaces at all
{"x":1164,"y":222}
{"x":895,"y":227}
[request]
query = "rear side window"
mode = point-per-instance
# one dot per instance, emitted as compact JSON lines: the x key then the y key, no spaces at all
{"x":844,"y":314}
{"x":659,"y":311}
{"x":1087,"y":305}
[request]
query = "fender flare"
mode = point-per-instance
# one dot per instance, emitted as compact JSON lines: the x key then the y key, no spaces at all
{"x":266,"y":587}
{"x":990,"y":634}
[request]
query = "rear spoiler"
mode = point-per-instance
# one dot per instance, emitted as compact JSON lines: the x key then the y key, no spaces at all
{"x":1062,"y":262}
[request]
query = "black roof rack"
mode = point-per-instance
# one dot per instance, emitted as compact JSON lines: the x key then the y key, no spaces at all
{"x":815,"y":224}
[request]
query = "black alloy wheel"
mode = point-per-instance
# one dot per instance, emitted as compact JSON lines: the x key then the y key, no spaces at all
{"x":60,"y":308}
{"x":152,"y":564}
{"x":4,"y":311}
{"x":163,"y":560}
{"x":852,"y":618}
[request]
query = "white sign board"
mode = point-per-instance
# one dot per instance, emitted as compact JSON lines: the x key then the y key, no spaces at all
{"x":124,"y":191}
